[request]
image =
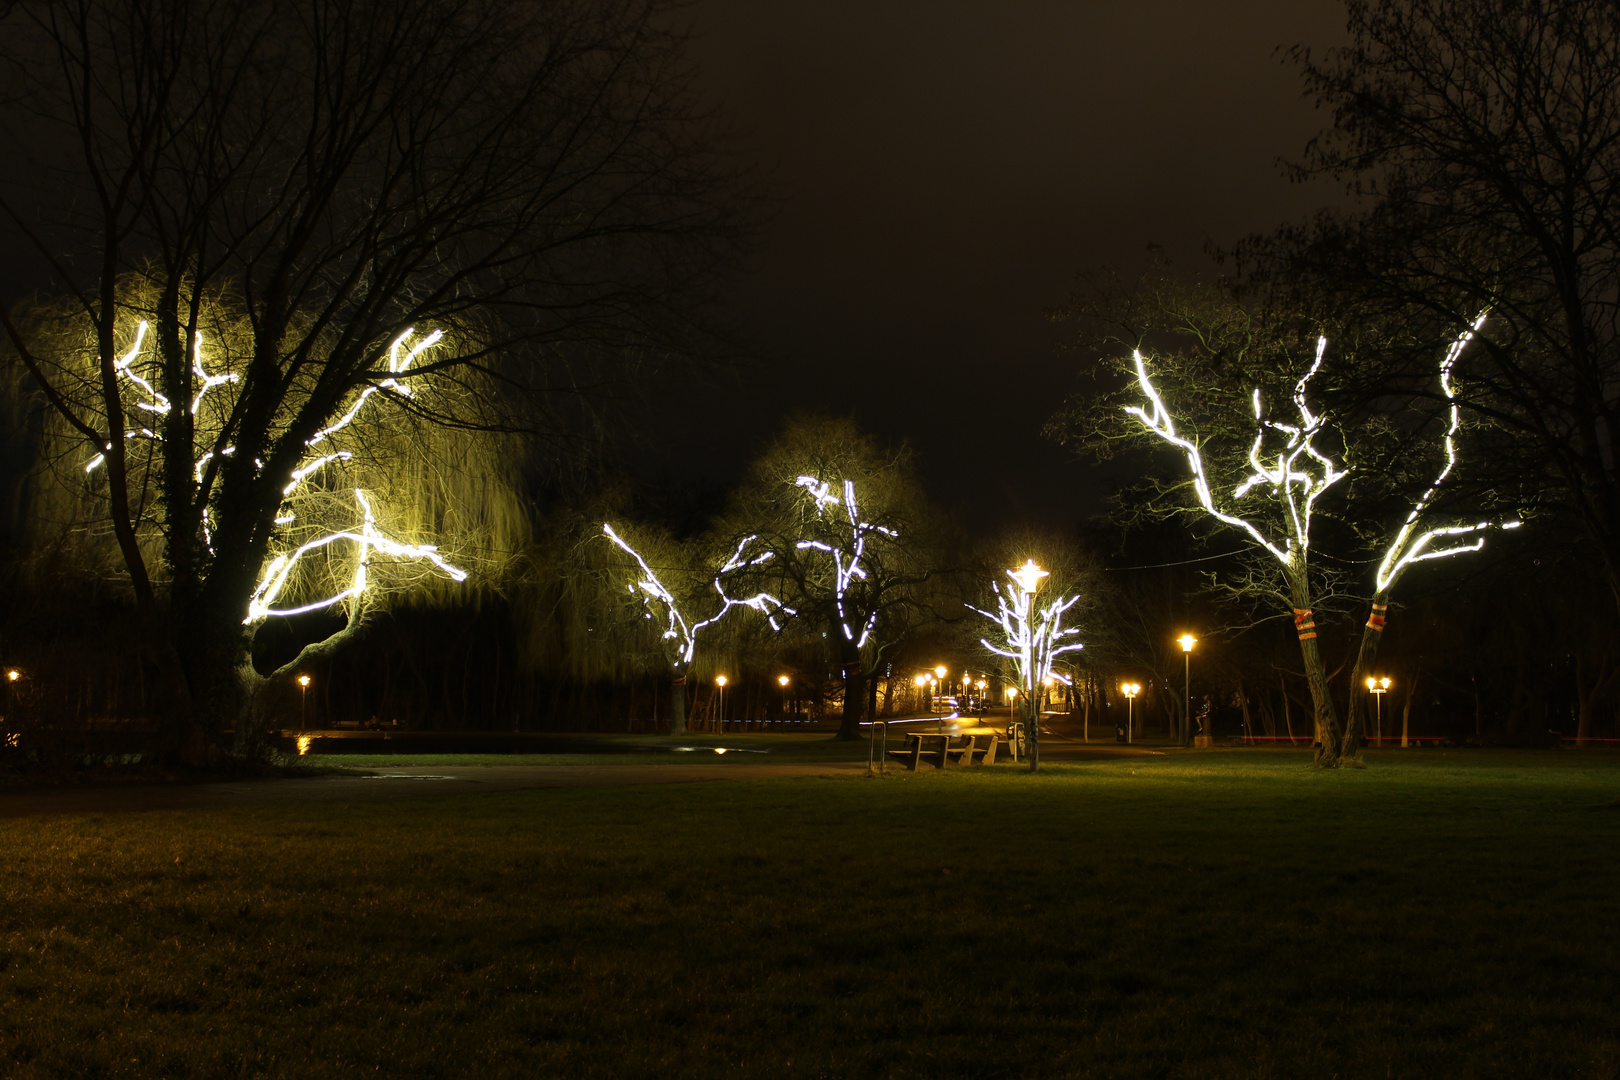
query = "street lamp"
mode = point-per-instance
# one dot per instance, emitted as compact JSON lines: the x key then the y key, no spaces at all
{"x":721,"y":681}
{"x":303,"y":702}
{"x":1130,"y":690}
{"x":782,"y":681}
{"x":1187,"y":641}
{"x":1378,"y":688}
{"x":1029,"y":578}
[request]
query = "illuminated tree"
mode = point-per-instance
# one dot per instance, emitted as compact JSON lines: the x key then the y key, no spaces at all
{"x":1288,"y":470}
{"x":851,"y":534}
{"x":1034,"y":633}
{"x":1416,"y":540}
{"x":360,"y":518}
{"x":346,"y":177}
{"x":674,"y":612}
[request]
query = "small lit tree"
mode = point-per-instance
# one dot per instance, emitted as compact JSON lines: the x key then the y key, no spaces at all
{"x":1032,"y":636}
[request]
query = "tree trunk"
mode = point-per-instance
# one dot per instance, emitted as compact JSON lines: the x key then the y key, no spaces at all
{"x":1355,"y":727}
{"x":1288,"y":706}
{"x":854,"y":696}
{"x":1329,"y":737}
{"x":854,"y":672}
{"x":677,"y":705}
{"x":1406,"y":711}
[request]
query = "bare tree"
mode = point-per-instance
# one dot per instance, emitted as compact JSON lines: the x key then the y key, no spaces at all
{"x":1482,"y":140}
{"x":531,"y":179}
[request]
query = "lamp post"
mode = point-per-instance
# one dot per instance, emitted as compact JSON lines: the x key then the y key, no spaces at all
{"x":1130,"y":691}
{"x":1187,"y":641}
{"x":303,"y":702}
{"x":1029,"y":578}
{"x":1378,"y":688}
{"x":782,"y":681}
{"x":720,"y":680}
{"x":12,"y":675}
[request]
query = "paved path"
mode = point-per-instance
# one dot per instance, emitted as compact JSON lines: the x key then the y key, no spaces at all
{"x":407,"y":782}
{"x":388,"y":783}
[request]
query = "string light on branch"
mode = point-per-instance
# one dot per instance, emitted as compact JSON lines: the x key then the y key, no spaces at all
{"x":846,"y":565}
{"x":368,"y":539}
{"x":1298,"y":477}
{"x":1032,"y":636}
{"x":677,"y":628}
{"x":1410,"y":546}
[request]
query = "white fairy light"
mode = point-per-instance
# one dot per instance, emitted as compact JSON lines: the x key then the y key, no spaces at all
{"x":1407,"y":548}
{"x":369,"y":539}
{"x":209,"y":381}
{"x":846,"y":568}
{"x":677,"y":627}
{"x":1299,"y":477}
{"x":1033,"y":638}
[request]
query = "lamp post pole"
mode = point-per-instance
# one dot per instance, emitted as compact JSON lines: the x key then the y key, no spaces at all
{"x":1378,"y":688}
{"x":1187,"y":641}
{"x":303,"y":702}
{"x":1131,"y":690}
{"x":1029,"y":578}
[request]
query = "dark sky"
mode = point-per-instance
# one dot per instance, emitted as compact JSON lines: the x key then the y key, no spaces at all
{"x":945,"y":168}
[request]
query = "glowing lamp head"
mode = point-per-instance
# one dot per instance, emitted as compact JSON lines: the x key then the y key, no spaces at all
{"x":921,"y":680}
{"x":1012,"y":692}
{"x":1028,"y":576}
{"x":782,"y":680}
{"x":1131,"y":689}
{"x":980,"y":684}
{"x":720,"y":680}
{"x":1187,"y":641}
{"x":303,"y":680}
{"x":939,"y":672}
{"x":13,"y":675}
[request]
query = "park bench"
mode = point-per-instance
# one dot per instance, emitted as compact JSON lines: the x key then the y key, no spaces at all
{"x":978,"y":750}
{"x":940,"y":751}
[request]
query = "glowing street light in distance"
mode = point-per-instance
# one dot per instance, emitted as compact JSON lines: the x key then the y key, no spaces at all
{"x":1187,"y":641}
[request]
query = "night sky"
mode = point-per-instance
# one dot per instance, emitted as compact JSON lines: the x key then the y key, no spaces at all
{"x":944,"y":170}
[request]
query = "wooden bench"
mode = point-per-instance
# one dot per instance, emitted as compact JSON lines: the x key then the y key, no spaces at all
{"x":975,"y":752}
{"x":941,"y":755}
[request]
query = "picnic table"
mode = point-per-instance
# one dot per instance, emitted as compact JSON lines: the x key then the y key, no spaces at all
{"x":937,"y":745}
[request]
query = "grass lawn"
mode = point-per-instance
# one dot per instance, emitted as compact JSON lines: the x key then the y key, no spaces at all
{"x":1210,"y":915}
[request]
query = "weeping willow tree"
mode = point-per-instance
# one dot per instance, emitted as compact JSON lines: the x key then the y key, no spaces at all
{"x":338,"y":180}
{"x":402,"y":494}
